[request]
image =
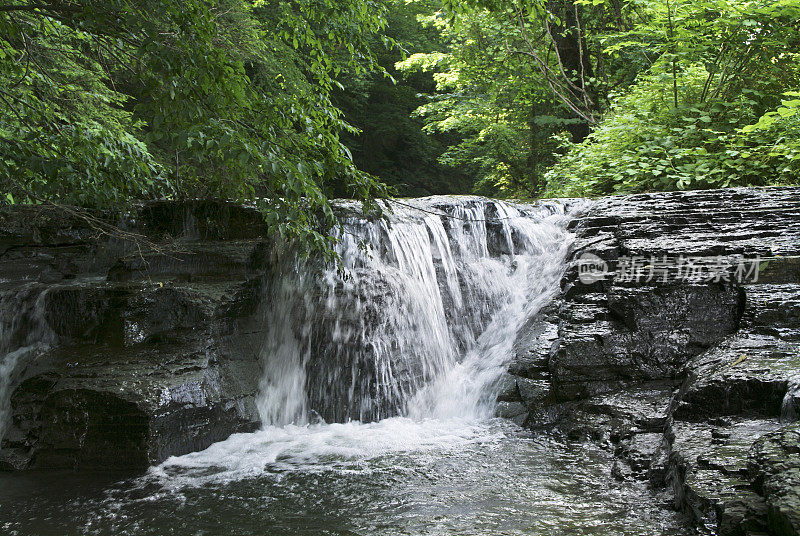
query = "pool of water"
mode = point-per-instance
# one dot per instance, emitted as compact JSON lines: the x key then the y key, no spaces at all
{"x":393,"y":477}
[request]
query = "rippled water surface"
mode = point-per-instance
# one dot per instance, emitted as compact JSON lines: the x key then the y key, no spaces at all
{"x":396,"y":476}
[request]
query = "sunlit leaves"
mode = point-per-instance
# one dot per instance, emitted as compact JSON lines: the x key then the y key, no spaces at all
{"x":728,"y":64}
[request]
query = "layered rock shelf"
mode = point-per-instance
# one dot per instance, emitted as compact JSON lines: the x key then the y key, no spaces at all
{"x":693,"y":384}
{"x":138,"y":341}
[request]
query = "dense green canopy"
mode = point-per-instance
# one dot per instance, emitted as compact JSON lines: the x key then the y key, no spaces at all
{"x":588,"y":97}
{"x":297,"y":101}
{"x":103,"y":101}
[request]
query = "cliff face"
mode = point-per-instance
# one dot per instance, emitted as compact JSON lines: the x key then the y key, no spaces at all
{"x":690,"y":376}
{"x":128,"y":347}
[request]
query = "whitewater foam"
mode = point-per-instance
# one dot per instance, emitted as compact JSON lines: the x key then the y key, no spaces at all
{"x":452,"y":295}
{"x":319,"y":447}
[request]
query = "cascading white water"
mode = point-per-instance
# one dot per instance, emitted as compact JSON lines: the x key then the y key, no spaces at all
{"x":520,"y":284}
{"x":24,"y":333}
{"x":400,"y":350}
{"x":421,"y":322}
{"x":790,"y":407}
{"x":283,"y":397}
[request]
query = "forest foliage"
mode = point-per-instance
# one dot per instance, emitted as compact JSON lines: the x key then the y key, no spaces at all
{"x":294,"y":102}
{"x":591,"y":97}
{"x":104,"y":101}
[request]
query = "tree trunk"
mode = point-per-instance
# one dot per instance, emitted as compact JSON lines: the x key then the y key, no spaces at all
{"x":573,"y":54}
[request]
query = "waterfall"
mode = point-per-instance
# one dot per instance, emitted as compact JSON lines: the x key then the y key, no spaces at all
{"x":24,"y":333}
{"x":790,"y":406}
{"x":285,"y":353}
{"x":419,"y":319}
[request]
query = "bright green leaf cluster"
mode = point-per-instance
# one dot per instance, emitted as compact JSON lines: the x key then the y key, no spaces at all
{"x":716,"y":107}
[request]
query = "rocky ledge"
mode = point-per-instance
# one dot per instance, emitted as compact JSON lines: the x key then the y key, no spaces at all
{"x":666,"y":346}
{"x":127,"y":339}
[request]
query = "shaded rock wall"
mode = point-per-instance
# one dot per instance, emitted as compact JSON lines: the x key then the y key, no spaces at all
{"x":774,"y":469}
{"x":148,"y":345}
{"x":691,"y":383}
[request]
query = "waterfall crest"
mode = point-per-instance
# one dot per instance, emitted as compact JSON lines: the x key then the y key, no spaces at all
{"x":420,"y":319}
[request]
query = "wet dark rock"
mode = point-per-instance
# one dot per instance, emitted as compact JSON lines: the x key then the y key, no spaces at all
{"x":43,"y":244}
{"x":639,"y":451}
{"x":774,"y":467}
{"x":631,"y":335}
{"x":528,"y":380}
{"x":507,"y":390}
{"x":742,"y":516}
{"x":198,"y":262}
{"x":198,"y":220}
{"x":747,"y":374}
{"x":622,"y":419}
{"x":708,"y":474}
{"x":145,"y":355}
{"x":624,"y":345}
{"x":534,"y":345}
{"x":132,"y":405}
{"x":513,"y":411}
{"x":645,"y":406}
{"x":533,"y":392}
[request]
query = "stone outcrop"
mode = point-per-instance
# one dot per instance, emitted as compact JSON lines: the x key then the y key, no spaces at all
{"x":147,"y":332}
{"x":692,"y":381}
{"x":774,"y":469}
